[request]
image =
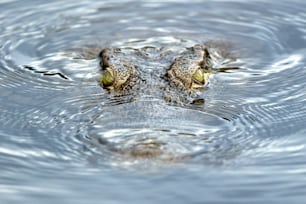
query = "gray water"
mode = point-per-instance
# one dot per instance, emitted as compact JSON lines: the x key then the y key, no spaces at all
{"x":53,"y":111}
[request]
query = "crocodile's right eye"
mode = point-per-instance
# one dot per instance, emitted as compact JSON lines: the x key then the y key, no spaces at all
{"x":107,"y":78}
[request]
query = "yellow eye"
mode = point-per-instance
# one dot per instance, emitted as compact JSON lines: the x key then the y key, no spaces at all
{"x":199,"y":77}
{"x":107,"y":78}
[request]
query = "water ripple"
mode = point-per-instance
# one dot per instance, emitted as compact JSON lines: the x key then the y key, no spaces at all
{"x":250,"y":100}
{"x":54,"y":115}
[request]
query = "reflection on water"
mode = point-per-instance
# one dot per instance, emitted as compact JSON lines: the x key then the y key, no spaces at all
{"x":64,"y":137}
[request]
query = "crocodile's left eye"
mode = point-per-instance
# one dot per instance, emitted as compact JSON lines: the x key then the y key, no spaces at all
{"x":107,"y":78}
{"x":199,"y":77}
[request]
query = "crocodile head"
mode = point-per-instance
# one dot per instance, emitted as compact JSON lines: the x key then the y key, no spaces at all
{"x":144,"y":128}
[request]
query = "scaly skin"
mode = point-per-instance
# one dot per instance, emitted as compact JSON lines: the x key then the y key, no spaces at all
{"x":181,"y":80}
{"x":118,"y":72}
{"x":191,"y":69}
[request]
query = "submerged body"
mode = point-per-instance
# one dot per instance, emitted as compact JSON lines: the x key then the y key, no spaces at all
{"x":151,"y":74}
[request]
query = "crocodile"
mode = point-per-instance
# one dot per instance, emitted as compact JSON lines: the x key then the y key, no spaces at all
{"x":188,"y":72}
{"x":178,"y":78}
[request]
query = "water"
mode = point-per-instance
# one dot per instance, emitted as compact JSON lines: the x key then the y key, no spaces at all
{"x":53,"y":113}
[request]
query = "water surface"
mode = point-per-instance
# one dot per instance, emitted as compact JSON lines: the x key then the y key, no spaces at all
{"x":247,"y":141}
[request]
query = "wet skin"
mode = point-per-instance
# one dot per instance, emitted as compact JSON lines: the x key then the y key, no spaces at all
{"x":118,"y":72}
{"x":190,"y":70}
{"x":188,"y":73}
